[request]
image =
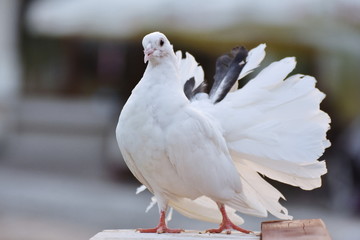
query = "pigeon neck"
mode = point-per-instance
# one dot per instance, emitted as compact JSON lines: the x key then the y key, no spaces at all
{"x":165,"y":60}
{"x":166,"y":67}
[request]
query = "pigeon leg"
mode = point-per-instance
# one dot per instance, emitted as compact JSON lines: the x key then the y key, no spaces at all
{"x":226,"y":224}
{"x":161,"y":227}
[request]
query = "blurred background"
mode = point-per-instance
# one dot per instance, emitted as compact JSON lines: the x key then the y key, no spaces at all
{"x":68,"y":66}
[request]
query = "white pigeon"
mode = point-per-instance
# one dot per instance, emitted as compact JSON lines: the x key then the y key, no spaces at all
{"x":199,"y":152}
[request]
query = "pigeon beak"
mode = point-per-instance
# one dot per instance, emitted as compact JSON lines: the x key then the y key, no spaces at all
{"x":147,"y":53}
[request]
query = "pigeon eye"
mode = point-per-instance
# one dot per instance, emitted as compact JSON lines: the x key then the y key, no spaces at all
{"x":161,"y":42}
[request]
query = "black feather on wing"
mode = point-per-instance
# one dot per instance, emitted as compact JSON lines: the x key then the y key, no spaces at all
{"x":228,"y":68}
{"x":189,"y":90}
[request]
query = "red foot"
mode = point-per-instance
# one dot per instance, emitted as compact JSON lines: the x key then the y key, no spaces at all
{"x":161,"y":228}
{"x":226,"y":224}
{"x":227,"y":227}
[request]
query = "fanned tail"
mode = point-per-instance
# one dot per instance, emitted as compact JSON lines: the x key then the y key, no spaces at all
{"x":273,"y":126}
{"x":276,"y":129}
{"x":277,"y":126}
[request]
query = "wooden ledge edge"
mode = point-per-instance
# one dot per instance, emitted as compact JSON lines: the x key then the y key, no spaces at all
{"x":129,"y":234}
{"x":313,"y":229}
{"x":294,"y":229}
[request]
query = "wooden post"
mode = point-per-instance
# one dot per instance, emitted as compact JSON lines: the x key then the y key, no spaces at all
{"x":310,"y":229}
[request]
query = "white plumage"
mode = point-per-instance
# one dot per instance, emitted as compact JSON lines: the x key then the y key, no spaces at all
{"x":197,"y":154}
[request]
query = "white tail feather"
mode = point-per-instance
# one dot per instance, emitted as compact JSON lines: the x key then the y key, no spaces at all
{"x":253,"y":60}
{"x":303,"y":176}
{"x":273,"y":74}
{"x":188,"y":68}
{"x":140,"y":189}
{"x":256,"y":189}
{"x":204,"y":209}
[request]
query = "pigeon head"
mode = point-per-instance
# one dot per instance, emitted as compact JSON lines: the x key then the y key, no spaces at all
{"x":156,"y":46}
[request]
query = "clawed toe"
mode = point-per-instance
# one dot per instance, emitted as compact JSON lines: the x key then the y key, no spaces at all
{"x":226,"y":224}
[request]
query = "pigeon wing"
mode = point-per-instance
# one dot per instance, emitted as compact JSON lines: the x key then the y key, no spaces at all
{"x":198,"y":152}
